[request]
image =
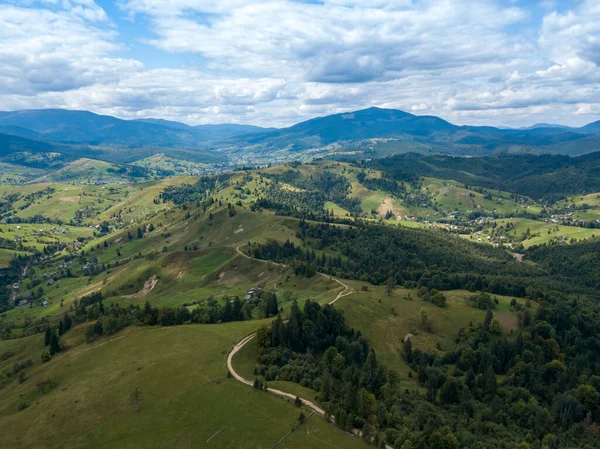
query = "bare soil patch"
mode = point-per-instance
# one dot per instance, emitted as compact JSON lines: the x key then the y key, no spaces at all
{"x":147,"y":288}
{"x":508,"y":321}
{"x":228,"y":278}
{"x":385,"y":207}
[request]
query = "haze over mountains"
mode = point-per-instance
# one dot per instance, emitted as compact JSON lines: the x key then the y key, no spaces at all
{"x":372,"y":132}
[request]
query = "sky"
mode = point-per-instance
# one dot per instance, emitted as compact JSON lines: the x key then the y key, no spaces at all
{"x":279,"y":62}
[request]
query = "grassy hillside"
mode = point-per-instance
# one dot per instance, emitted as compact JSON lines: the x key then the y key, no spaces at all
{"x":11,"y":174}
{"x":386,"y":320}
{"x":186,"y":246}
{"x":90,"y":171}
{"x":184,"y":399}
{"x":165,"y":165}
{"x":532,"y":232}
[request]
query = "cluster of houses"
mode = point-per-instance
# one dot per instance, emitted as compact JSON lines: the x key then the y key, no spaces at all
{"x":65,"y":265}
{"x":557,"y":219}
{"x":24,"y":302}
{"x":59,"y":230}
{"x":482,"y":220}
{"x":41,"y":231}
{"x":50,"y":278}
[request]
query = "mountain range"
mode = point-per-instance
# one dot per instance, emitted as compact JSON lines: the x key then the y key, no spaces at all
{"x":372,"y":132}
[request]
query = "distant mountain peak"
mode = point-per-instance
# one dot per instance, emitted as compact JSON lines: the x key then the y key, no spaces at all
{"x":591,"y":128}
{"x":545,"y":125}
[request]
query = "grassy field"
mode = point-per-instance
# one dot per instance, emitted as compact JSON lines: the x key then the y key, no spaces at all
{"x":386,"y":320}
{"x":337,"y":210}
{"x":40,"y":235}
{"x":184,"y":400}
{"x":14,"y":174}
{"x":592,"y":199}
{"x":544,"y":232}
{"x":137,"y":203}
{"x":218,"y":272}
{"x":6,"y":255}
{"x":369,"y":199}
{"x":587,"y":215}
{"x":65,"y":201}
{"x":84,"y":171}
{"x":67,"y":290}
{"x":453,"y":196}
{"x":165,"y":163}
{"x":214,"y":269}
{"x":122,"y":204}
{"x":193,"y":254}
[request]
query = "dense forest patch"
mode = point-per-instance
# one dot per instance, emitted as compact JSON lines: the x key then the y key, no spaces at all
{"x":548,"y":178}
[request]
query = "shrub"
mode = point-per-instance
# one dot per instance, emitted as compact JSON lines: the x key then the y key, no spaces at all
{"x":6,"y":355}
{"x":22,"y":405}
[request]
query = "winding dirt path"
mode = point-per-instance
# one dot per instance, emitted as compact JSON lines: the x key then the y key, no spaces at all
{"x":345,"y":292}
{"x":236,"y":349}
{"x":243,"y":342}
{"x":318,"y":410}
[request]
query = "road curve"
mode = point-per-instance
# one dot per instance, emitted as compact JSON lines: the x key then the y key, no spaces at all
{"x":347,"y":290}
{"x":243,"y":342}
{"x":318,"y":410}
{"x":238,"y":347}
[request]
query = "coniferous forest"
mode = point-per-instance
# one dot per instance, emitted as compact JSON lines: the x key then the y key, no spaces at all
{"x":539,"y":385}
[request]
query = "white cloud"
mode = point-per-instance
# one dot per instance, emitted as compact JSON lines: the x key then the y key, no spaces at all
{"x":43,"y":50}
{"x":275,"y":62}
{"x":336,"y":41}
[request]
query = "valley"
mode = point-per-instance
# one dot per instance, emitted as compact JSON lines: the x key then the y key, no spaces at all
{"x":150,"y":284}
{"x":63,"y":145}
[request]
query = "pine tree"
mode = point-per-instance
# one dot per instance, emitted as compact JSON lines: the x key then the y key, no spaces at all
{"x":294,"y":336}
{"x":491,"y":384}
{"x":390,"y":286}
{"x":277,"y":332}
{"x":53,"y":343}
{"x":488,"y":319}
{"x":68,"y":323}
{"x":408,"y":350}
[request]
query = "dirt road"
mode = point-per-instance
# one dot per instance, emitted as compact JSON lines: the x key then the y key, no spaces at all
{"x":345,"y":292}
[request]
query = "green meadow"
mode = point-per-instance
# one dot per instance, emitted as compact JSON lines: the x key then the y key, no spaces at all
{"x":151,"y":388}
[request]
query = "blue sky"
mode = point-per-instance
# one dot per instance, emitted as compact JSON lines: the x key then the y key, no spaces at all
{"x":277,"y":62}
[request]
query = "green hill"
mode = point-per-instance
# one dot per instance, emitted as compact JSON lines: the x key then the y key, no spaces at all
{"x":152,"y":283}
{"x":146,"y":387}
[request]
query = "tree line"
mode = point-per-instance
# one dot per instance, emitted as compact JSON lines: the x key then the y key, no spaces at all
{"x":549,"y":398}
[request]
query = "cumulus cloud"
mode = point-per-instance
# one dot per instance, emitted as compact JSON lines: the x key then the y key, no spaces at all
{"x":56,"y":50}
{"x":276,"y":62}
{"x":334,"y":41}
